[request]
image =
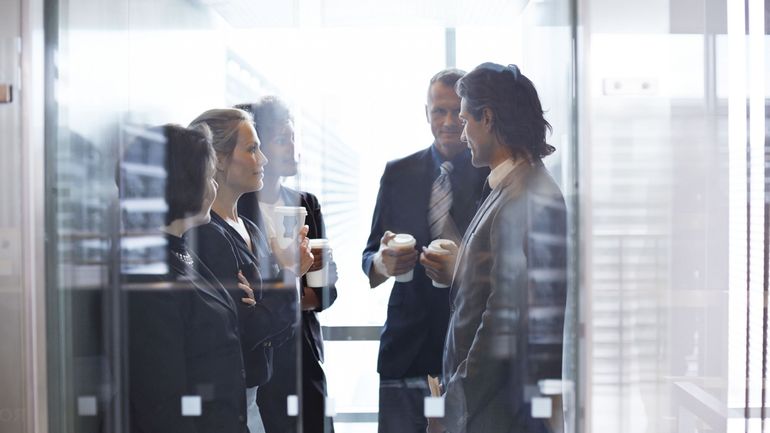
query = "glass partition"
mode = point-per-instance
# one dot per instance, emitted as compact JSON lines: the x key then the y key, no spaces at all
{"x":673,"y":167}
{"x":355,"y":79}
{"x":658,"y":115}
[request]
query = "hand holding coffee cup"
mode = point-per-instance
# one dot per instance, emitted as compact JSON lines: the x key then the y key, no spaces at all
{"x":321,"y":253}
{"x":395,"y":261}
{"x":439,"y":261}
{"x":289,"y":222}
{"x":318,"y":274}
{"x":401,"y":256}
{"x":295,"y":256}
{"x":306,"y":258}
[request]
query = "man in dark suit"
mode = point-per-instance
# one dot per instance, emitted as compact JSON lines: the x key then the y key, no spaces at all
{"x":430,"y":194}
{"x":508,"y":292}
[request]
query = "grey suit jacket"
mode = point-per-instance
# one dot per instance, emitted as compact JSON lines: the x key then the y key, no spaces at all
{"x":507,"y":299}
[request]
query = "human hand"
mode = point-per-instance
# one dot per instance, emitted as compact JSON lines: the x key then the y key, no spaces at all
{"x":435,"y":426}
{"x":306,"y":258}
{"x":244,"y":285}
{"x":296,"y":257}
{"x":396,"y":261}
{"x":309,"y":300}
{"x":320,"y":255}
{"x":439,"y":267}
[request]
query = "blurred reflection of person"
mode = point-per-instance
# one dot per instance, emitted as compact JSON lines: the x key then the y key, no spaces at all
{"x":183,"y":327}
{"x":509,"y":287}
{"x":232,"y":245}
{"x":430,"y":194}
{"x":275,"y":127}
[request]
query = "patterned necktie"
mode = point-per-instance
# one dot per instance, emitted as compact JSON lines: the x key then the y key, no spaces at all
{"x":440,"y":202}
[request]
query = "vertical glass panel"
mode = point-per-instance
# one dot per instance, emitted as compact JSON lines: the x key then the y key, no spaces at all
{"x":13,"y":400}
{"x":354,"y":78}
{"x":674,"y":153}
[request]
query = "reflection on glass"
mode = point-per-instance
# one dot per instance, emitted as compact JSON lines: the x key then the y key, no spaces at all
{"x":270,"y":207}
{"x":185,"y":368}
{"x":236,"y":251}
{"x":509,"y":289}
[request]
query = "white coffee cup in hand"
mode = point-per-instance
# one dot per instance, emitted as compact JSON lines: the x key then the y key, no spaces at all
{"x":319,"y":277}
{"x":403,"y":241}
{"x":438,"y":259}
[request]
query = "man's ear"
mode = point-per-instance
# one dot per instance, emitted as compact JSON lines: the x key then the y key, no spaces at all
{"x":487,"y":117}
{"x":427,"y":117}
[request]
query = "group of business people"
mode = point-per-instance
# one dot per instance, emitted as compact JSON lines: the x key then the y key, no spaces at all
{"x":209,"y":343}
{"x":212,"y":343}
{"x":497,"y":330}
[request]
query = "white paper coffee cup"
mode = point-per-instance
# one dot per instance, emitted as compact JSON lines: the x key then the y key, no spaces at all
{"x":319,"y":278}
{"x":289,"y":220}
{"x":407,"y":241}
{"x":436,"y":247}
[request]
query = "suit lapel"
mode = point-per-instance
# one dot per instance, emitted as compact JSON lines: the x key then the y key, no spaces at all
{"x":513,"y":185}
{"x":424,"y":188}
{"x":480,"y":216}
{"x":235,"y":237}
{"x":211,"y":286}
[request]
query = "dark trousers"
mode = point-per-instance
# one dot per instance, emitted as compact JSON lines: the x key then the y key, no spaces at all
{"x":272,"y":395}
{"x":401,"y":405}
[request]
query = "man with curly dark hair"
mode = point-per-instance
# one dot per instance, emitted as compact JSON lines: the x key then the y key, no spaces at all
{"x":508,"y":292}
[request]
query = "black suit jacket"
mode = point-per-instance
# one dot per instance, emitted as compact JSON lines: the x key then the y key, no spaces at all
{"x":272,"y":396}
{"x":184,"y":341}
{"x":269,"y":322}
{"x":412,"y":340}
{"x":248,"y":206}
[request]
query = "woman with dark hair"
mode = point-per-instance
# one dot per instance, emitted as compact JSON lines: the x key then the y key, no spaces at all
{"x":274,"y":124}
{"x":184,"y":349}
{"x":232,"y":245}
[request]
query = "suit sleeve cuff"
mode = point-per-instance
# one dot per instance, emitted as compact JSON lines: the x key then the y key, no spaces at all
{"x":379,"y":265}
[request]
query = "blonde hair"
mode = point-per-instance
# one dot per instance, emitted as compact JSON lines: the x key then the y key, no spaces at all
{"x":223,"y":124}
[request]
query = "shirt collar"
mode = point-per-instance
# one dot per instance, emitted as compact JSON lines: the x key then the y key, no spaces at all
{"x":499,"y":173}
{"x":457,"y":161}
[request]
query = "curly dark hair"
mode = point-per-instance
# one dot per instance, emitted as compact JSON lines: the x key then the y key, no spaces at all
{"x":517,"y":114}
{"x":270,"y":115}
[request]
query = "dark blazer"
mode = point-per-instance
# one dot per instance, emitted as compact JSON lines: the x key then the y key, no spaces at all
{"x":411,"y":342}
{"x":271,"y":398}
{"x":184,"y":341}
{"x":508,"y":299}
{"x":269,"y":322}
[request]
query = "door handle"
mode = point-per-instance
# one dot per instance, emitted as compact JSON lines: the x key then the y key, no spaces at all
{"x":6,"y":93}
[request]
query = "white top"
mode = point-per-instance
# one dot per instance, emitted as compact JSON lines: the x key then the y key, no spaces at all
{"x":268,"y":215}
{"x":501,"y":171}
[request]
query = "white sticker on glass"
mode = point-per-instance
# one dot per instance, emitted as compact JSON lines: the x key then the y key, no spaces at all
{"x":434,"y":407}
{"x":292,"y":405}
{"x":541,"y":407}
{"x":330,"y":409}
{"x":191,"y":405}
{"x":87,"y":405}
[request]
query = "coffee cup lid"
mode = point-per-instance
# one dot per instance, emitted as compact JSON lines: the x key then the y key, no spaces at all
{"x":402,"y":240}
{"x":318,"y":243}
{"x":438,"y":244}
